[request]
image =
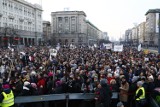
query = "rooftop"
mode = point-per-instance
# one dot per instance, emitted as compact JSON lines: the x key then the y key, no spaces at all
{"x":36,"y":6}
{"x":153,"y":11}
{"x":68,"y":12}
{"x":87,"y":21}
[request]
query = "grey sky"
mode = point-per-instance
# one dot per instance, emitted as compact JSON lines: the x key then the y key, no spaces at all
{"x":113,"y":16}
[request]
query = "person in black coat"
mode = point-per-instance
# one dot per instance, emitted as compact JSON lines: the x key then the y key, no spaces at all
{"x":26,"y":89}
{"x":105,"y":93}
{"x":157,"y":82}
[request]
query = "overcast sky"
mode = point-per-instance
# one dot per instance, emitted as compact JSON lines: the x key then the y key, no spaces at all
{"x":112,"y":16}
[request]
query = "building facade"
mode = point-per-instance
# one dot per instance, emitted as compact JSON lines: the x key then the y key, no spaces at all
{"x":93,"y":33}
{"x":105,"y":36}
{"x":151,"y":31}
{"x":135,"y":35}
{"x":46,"y":31}
{"x":20,"y":23}
{"x":71,"y":27}
{"x":141,"y":32}
{"x":128,"y":36}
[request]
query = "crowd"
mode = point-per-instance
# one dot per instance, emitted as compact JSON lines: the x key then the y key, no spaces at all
{"x":33,"y":71}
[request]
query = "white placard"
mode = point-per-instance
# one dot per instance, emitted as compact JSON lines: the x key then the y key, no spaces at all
{"x":107,"y":46}
{"x":118,"y":48}
{"x":95,"y":45}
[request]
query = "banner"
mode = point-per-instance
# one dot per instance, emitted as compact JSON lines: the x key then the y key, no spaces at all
{"x":118,"y":48}
{"x":107,"y":46}
{"x":53,"y":52}
{"x":139,"y":47}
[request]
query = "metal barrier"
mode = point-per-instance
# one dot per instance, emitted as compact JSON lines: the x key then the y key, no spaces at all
{"x":67,"y":97}
{"x":40,"y":98}
{"x":54,"y":97}
{"x":153,"y":103}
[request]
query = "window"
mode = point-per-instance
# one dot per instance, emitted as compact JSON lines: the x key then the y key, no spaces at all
{"x":72,"y":40}
{"x":66,"y":19}
{"x":73,"y":19}
{"x":60,"y":19}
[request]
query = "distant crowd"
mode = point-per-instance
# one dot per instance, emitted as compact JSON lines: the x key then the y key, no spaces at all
{"x":33,"y":71}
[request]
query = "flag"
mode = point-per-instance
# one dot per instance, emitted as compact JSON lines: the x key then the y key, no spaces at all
{"x":139,"y":47}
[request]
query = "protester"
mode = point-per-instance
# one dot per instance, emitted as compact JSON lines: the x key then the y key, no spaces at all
{"x":78,"y":70}
{"x":124,"y":91}
{"x":7,"y":96}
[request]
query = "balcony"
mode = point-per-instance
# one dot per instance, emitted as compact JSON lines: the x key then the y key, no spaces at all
{"x":11,"y":17}
{"x":21,"y":19}
{"x":29,"y":21}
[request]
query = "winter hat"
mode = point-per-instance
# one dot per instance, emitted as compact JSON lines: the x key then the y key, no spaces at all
{"x":34,"y":85}
{"x":135,"y":78}
{"x":24,"y":72}
{"x":112,"y":81}
{"x":103,"y":81}
{"x":6,"y":86}
{"x":33,"y":73}
{"x":58,"y":83}
{"x":50,"y":74}
{"x":151,"y":77}
{"x":116,"y":75}
{"x":26,"y":83}
{"x":139,"y":83}
{"x":143,"y":78}
{"x":119,"y":104}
